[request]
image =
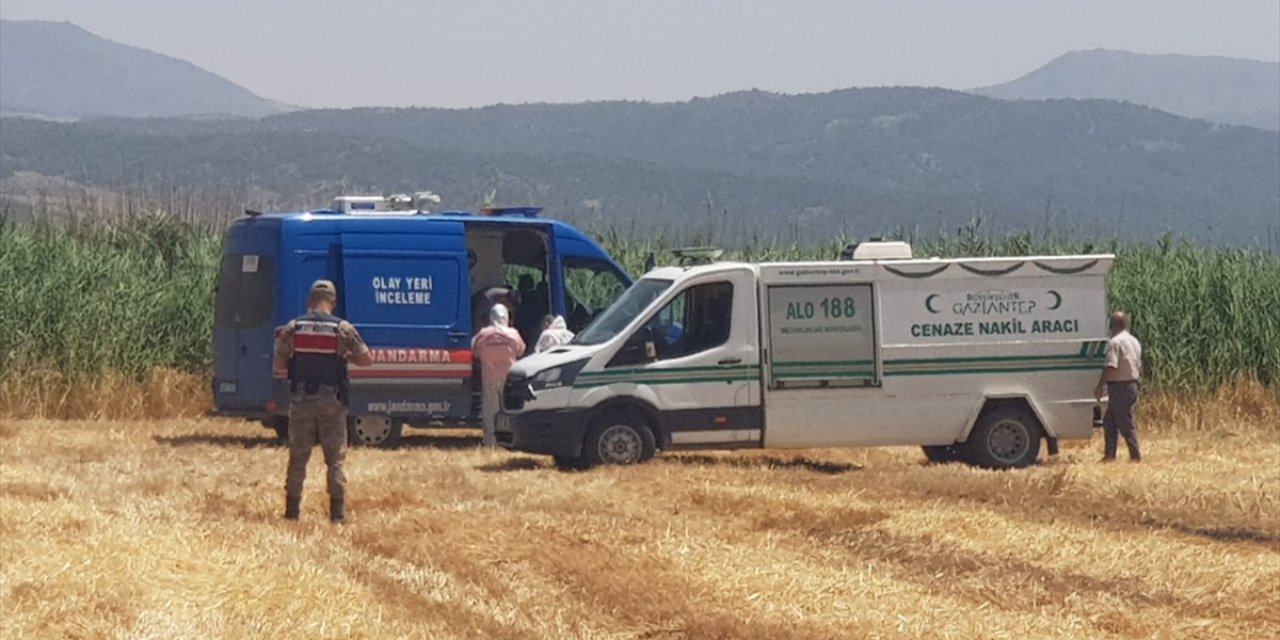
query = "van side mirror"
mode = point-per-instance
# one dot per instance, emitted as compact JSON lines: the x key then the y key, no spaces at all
{"x":639,"y":349}
{"x":645,"y":336}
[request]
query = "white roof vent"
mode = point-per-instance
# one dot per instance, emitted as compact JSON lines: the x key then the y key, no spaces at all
{"x":876,"y":249}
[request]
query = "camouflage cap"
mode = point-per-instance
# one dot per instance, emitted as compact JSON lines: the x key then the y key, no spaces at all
{"x":324,"y":288}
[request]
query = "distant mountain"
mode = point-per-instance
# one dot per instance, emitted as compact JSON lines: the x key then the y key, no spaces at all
{"x":752,"y":164}
{"x":1226,"y":90}
{"x":58,"y":69}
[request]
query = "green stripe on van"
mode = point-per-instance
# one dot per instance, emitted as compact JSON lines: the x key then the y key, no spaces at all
{"x":1005,"y":369}
{"x":820,"y":363}
{"x":1087,"y":358}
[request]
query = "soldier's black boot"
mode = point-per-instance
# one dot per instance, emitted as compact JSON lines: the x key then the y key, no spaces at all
{"x":292,"y":507}
{"x":337,"y":510}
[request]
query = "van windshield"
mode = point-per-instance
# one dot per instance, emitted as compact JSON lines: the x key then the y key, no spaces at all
{"x":634,"y":300}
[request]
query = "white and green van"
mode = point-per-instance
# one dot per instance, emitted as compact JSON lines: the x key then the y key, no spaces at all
{"x":975,"y":359}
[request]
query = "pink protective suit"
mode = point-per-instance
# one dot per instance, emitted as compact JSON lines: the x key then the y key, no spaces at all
{"x":497,"y":346}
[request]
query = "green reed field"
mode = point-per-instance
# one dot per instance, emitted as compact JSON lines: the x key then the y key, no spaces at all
{"x":134,"y":295}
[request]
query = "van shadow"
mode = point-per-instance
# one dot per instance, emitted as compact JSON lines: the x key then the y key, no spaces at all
{"x":765,"y":462}
{"x":200,"y":439}
{"x":439,"y":441}
{"x":522,"y":463}
{"x":444,"y":442}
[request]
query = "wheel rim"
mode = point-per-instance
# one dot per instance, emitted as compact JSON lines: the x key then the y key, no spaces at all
{"x":372,"y":430}
{"x":1008,"y":441}
{"x":619,"y":444}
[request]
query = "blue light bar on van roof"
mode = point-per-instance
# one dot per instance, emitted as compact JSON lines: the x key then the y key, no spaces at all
{"x":528,"y":212}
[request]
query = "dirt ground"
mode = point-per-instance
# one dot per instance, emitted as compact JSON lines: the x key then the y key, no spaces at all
{"x":172,"y":529}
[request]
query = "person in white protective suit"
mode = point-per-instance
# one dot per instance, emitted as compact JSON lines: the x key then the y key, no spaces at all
{"x":555,"y":332}
{"x":497,"y":346}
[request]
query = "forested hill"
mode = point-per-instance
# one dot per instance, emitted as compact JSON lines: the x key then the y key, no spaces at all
{"x":862,"y":161}
{"x":58,"y":69}
{"x":1228,"y":90}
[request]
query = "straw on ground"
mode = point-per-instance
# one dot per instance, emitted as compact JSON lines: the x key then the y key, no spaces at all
{"x":170,"y":529}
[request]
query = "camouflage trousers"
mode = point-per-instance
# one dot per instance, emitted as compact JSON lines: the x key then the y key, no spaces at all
{"x":317,"y":419}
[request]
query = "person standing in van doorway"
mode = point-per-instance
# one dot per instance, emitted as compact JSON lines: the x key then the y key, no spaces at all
{"x":497,"y":347}
{"x":315,"y":349}
{"x":555,"y":332}
{"x":1121,"y":375}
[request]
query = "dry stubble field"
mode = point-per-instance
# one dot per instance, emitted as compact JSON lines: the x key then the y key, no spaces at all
{"x":171,"y":529}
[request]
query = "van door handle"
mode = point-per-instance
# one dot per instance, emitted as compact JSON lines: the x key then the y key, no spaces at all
{"x":457,"y":335}
{"x":731,"y":361}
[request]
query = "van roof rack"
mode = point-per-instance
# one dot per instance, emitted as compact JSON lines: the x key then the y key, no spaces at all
{"x":527,"y":212}
{"x":397,"y":204}
{"x":688,"y":256}
{"x":877,"y":249}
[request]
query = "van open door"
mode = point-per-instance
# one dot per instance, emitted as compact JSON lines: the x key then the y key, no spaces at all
{"x":407,"y":295}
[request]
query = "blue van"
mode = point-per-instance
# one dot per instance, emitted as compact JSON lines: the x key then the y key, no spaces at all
{"x":407,"y":280}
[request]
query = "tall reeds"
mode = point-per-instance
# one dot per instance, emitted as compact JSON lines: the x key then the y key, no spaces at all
{"x":128,"y":296}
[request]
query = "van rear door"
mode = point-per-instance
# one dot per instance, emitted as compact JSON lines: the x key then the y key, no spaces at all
{"x":408,"y":296}
{"x":244,"y":310}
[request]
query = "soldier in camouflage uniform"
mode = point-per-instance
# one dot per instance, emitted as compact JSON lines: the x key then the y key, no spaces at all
{"x":315,"y":349}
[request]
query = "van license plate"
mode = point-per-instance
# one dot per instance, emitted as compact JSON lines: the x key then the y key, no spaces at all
{"x":226,"y":387}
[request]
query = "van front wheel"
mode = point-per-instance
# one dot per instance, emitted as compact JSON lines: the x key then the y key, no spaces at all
{"x":1004,"y":438}
{"x":941,"y":454}
{"x":618,"y":439}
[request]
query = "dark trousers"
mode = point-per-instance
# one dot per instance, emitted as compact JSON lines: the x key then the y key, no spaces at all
{"x":1119,"y":419}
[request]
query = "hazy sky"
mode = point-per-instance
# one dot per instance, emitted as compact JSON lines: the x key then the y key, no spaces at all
{"x":320,"y":53}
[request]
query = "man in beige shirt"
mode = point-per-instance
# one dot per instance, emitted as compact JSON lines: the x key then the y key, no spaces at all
{"x":1121,"y":375}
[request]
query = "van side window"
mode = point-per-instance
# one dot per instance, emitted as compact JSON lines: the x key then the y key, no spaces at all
{"x":698,"y":319}
{"x":246,"y":292}
{"x":591,"y":286}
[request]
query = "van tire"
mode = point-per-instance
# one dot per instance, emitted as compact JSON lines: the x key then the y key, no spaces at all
{"x":618,"y":438}
{"x":570,"y":463}
{"x":280,"y":425}
{"x":374,"y":431}
{"x":1004,"y":437}
{"x":942,"y":453}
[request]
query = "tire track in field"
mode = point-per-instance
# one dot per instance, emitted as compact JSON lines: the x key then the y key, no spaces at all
{"x":647,"y":592}
{"x":1010,"y":584}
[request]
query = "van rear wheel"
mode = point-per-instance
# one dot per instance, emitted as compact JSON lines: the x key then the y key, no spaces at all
{"x":570,"y":463}
{"x":941,"y":454}
{"x":618,"y":439}
{"x":1004,"y":438}
{"x":374,"y":431}
{"x":279,"y":424}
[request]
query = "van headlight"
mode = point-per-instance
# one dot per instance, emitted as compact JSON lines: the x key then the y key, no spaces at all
{"x":556,"y":377}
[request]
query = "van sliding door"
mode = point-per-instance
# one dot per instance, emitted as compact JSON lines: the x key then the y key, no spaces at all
{"x":408,"y":296}
{"x":822,"y":370}
{"x":821,"y":336}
